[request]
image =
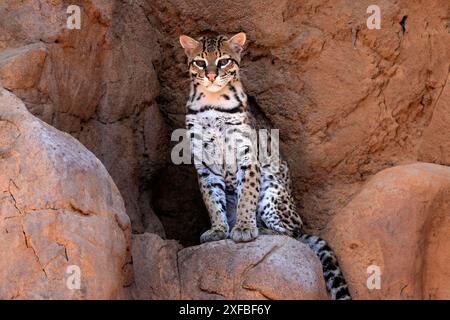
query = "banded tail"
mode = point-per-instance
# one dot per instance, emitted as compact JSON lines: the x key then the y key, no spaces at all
{"x":334,"y":279}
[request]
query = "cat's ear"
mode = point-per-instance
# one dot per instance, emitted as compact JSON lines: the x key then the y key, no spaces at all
{"x":188,"y":44}
{"x":237,"y":42}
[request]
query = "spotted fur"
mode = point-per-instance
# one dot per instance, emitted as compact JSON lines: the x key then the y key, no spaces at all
{"x":242,"y":195}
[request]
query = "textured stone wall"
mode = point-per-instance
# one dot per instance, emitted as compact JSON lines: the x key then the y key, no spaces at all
{"x":348,"y":101}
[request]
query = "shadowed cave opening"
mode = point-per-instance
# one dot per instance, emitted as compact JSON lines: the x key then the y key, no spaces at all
{"x":177,"y":202}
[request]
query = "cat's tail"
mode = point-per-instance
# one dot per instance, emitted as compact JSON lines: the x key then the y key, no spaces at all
{"x":334,"y":279}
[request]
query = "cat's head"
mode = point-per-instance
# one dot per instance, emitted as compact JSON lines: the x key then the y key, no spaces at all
{"x":213,"y":62}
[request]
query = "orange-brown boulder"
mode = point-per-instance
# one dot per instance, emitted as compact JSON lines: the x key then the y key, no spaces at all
{"x":271,"y":267}
{"x":64,"y":233}
{"x":399,"y":223}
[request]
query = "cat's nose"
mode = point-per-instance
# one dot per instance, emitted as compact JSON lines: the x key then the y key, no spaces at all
{"x":211,"y":76}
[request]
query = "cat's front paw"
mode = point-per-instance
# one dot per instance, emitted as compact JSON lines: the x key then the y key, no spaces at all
{"x":213,"y":235}
{"x":244,"y":234}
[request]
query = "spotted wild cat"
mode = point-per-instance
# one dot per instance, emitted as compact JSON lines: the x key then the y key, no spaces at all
{"x":241,"y":194}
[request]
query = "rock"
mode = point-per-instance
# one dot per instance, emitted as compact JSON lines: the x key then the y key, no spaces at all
{"x":21,"y":68}
{"x":155,"y":267}
{"x":97,"y":83}
{"x":59,"y":208}
{"x":271,"y":267}
{"x":435,"y":145}
{"x":399,"y":222}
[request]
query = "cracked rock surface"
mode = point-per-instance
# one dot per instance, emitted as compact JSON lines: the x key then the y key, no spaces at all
{"x":271,"y":267}
{"x":58,"y":208}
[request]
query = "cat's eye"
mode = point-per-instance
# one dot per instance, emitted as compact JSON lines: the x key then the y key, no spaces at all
{"x":223,"y":62}
{"x":200,"y":63}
